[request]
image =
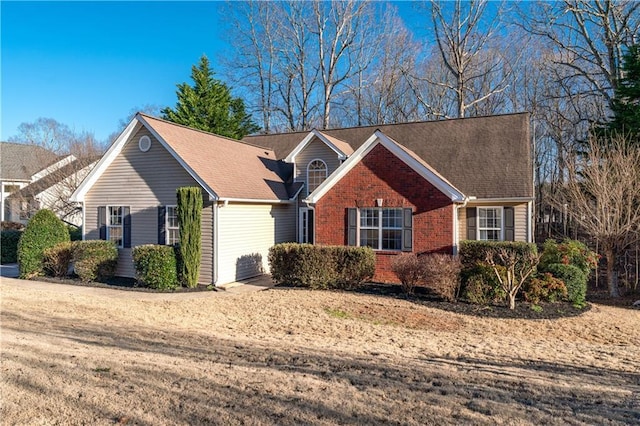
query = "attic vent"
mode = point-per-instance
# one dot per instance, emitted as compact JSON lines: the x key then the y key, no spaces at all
{"x":144,"y":143}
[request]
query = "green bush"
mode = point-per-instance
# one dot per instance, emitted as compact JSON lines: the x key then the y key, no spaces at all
{"x":568,"y":252}
{"x":9,"y":245}
{"x":574,"y":279}
{"x":44,"y":230}
{"x":409,"y":269}
{"x":156,"y":266}
{"x":95,"y":260}
{"x":545,"y":288}
{"x":473,"y":252}
{"x":189,"y":212}
{"x":75,"y":232}
{"x":442,"y":275}
{"x":481,"y":286}
{"x":321,"y":267}
{"x":56,"y":259}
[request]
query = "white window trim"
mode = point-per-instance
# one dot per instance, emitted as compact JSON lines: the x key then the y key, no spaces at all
{"x":380,"y":228}
{"x":326,"y":173}
{"x":478,"y":229}
{"x":109,"y":226}
{"x":166,"y":224}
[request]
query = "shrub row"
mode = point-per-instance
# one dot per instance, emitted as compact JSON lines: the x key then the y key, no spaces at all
{"x":9,"y":245}
{"x":439,"y":273}
{"x":92,"y":260}
{"x":321,"y":267}
{"x":156,"y":266}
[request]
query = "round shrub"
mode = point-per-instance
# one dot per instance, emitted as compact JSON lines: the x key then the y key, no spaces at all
{"x":544,"y":288}
{"x":409,"y":269}
{"x":95,"y":260}
{"x":442,"y":275}
{"x":156,"y":266}
{"x":9,"y":245}
{"x":44,"y":230}
{"x":574,"y":279}
{"x":568,"y":252}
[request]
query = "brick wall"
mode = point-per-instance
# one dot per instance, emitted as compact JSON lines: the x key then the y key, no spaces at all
{"x":380,"y":174}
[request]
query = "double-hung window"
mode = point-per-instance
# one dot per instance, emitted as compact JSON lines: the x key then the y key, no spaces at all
{"x":171,"y":226}
{"x":381,"y":228}
{"x":490,"y":223}
{"x":115,"y":225}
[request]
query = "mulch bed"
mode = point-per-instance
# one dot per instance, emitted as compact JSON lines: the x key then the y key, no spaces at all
{"x":121,"y":283}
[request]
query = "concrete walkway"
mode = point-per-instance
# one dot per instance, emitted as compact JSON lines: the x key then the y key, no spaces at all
{"x":251,"y":285}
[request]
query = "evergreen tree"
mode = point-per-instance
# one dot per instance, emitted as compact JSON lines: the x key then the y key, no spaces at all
{"x":626,"y":102}
{"x":209,"y":106}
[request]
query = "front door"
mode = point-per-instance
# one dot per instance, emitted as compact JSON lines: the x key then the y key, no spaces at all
{"x":306,"y":226}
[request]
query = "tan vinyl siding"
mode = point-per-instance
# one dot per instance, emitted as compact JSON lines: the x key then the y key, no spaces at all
{"x":245,"y":233}
{"x":143,"y":181}
{"x":315,"y":150}
{"x":520,"y":216}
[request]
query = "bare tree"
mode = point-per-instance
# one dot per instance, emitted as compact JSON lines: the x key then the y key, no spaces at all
{"x":603,"y":197}
{"x":512,"y":270}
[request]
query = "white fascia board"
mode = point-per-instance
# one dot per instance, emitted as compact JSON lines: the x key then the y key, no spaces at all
{"x":307,"y":140}
{"x":501,"y":200}
{"x":379,"y":138}
{"x":105,"y":162}
{"x":212,"y":195}
{"x":52,"y":168}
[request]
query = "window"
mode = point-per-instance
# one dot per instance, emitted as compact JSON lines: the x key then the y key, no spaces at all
{"x":381,"y":228}
{"x":115,"y":225}
{"x":171,"y":224}
{"x":316,"y":174}
{"x":10,"y":189}
{"x":490,"y":223}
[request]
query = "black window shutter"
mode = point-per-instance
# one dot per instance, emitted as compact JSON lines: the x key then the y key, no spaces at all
{"x":102,"y":222}
{"x":310,"y":227}
{"x":407,"y":229}
{"x":471,"y":223}
{"x":126,"y":241}
{"x":162,"y":231}
{"x":509,"y":224}
{"x":352,"y":232}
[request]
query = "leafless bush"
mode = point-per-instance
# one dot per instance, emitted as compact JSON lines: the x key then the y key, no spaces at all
{"x":409,"y":269}
{"x":442,"y":275}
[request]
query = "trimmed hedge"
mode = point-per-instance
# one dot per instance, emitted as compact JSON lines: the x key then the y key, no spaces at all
{"x":9,"y":240}
{"x":474,"y":252}
{"x":156,"y":266}
{"x":56,"y":259}
{"x":321,"y":267}
{"x":574,"y":279}
{"x":44,"y":230}
{"x":94,"y":260}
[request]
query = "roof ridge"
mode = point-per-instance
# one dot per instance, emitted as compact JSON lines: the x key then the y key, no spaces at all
{"x":203,"y":131}
{"x":391,"y":124}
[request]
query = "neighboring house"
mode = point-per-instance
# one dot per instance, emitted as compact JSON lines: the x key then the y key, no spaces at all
{"x":415,"y":187}
{"x":51,"y":191}
{"x":22,"y":164}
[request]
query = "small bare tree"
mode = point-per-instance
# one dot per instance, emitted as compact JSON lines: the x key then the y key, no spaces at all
{"x":602,"y":192}
{"x":512,"y":269}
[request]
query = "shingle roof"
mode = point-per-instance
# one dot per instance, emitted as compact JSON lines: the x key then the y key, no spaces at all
{"x":485,"y":157}
{"x":54,"y":177}
{"x":232,"y":169}
{"x":340,"y":144}
{"x":21,"y":161}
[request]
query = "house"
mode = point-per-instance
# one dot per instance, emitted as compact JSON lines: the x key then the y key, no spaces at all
{"x":51,"y":191}
{"x":22,"y":164}
{"x":415,"y":187}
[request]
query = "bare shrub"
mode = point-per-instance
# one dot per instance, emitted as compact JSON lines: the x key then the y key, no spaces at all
{"x":409,"y":269}
{"x":442,"y":275}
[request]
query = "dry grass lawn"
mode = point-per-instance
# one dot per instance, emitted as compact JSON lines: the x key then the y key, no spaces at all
{"x":287,"y":356}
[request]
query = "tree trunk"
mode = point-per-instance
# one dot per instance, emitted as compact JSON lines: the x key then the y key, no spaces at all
{"x":612,"y":274}
{"x":512,"y":301}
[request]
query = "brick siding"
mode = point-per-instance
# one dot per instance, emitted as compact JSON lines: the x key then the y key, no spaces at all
{"x":380,"y":174}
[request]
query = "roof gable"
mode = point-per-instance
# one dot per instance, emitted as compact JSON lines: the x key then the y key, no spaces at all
{"x":225,"y":168}
{"x":341,"y":148}
{"x":485,"y":157}
{"x":405,"y":155}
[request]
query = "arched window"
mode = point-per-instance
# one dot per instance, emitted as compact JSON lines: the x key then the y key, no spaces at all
{"x":316,"y":174}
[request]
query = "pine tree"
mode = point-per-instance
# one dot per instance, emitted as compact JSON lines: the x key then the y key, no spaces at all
{"x":208,"y":105}
{"x":626,"y":102}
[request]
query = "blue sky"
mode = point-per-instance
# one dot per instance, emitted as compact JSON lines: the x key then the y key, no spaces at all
{"x":87,"y":64}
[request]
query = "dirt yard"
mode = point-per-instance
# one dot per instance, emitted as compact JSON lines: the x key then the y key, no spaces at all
{"x":287,"y":356}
